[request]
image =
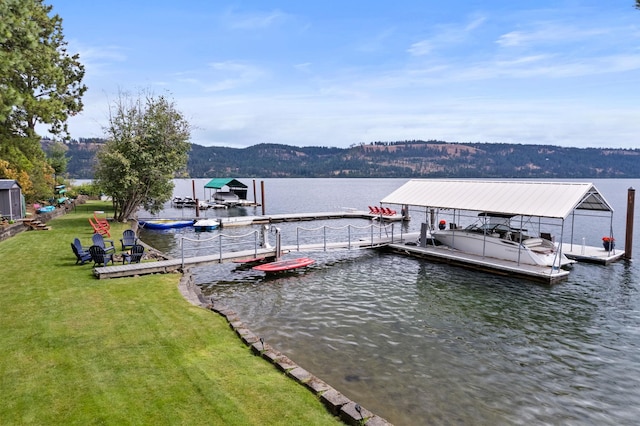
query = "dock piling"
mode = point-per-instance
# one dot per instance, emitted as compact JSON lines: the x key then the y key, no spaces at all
{"x":628,"y":241}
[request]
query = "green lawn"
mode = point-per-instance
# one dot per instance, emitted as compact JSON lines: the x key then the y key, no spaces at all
{"x":77,"y":350}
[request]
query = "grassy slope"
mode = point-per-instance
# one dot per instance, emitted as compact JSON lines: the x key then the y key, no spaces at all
{"x":76,"y":350}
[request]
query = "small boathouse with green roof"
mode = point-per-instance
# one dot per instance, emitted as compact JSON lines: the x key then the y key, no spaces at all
{"x":229,"y":192}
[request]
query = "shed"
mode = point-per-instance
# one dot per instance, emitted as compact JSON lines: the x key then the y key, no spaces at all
{"x":11,"y":200}
{"x":234,"y":185}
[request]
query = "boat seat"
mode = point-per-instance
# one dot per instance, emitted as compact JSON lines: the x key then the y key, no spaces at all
{"x":532,"y":242}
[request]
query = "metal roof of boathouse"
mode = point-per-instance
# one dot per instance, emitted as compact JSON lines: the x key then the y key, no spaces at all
{"x":526,"y":198}
{"x":217,"y":183}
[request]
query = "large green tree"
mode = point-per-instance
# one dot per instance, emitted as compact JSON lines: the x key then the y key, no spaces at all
{"x":148,"y":143}
{"x":40,"y":82}
{"x":18,"y":34}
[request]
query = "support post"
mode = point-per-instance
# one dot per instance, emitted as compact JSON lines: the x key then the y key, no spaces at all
{"x":255,"y":199}
{"x":193,"y":189}
{"x":262,"y":196}
{"x":628,"y":240}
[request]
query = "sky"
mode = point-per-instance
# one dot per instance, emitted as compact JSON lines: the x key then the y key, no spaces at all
{"x":340,"y":73}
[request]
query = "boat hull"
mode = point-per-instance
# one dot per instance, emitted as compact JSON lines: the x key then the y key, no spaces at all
{"x":206,"y":225}
{"x":532,"y":251}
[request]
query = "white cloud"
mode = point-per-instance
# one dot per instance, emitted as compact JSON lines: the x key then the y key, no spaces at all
{"x":253,"y":21}
{"x":420,"y":48}
{"x":549,"y":33}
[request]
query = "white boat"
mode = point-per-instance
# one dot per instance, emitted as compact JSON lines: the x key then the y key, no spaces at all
{"x":226,"y":198}
{"x":180,"y":202}
{"x":494,"y":237}
{"x":206,"y":224}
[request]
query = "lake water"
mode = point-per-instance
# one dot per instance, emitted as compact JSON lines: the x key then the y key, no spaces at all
{"x":424,"y":343}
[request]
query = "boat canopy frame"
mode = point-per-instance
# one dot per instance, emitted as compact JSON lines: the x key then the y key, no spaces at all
{"x":541,"y":199}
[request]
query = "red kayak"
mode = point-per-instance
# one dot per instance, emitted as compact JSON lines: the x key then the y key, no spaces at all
{"x":284,"y":265}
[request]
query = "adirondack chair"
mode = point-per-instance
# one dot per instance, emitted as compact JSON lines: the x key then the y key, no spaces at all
{"x":78,"y":244}
{"x":387,"y":211}
{"x":128,"y":239}
{"x":101,"y":220}
{"x":99,"y":256}
{"x":98,"y":240}
{"x":82,"y":255}
{"x":134,"y":255}
{"x":99,"y":229}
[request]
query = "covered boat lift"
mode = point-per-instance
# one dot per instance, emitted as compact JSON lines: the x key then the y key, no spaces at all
{"x":552,"y":203}
{"x":235,"y":195}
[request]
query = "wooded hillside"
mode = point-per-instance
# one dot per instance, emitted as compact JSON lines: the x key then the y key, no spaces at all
{"x":406,"y":159}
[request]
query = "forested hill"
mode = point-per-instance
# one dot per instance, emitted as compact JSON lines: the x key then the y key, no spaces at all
{"x":406,"y":159}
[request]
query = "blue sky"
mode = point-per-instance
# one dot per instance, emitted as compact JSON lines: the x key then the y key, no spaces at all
{"x":338,"y":73}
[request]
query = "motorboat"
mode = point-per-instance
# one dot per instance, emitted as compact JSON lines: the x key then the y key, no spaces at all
{"x":206,"y":224}
{"x":227,"y":198}
{"x":180,"y":202}
{"x":493,"y":236}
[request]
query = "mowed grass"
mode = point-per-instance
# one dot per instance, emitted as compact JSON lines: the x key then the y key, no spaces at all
{"x":78,"y":350}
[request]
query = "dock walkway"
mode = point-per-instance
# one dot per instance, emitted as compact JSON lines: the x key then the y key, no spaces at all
{"x":171,"y":265}
{"x":302,"y":217}
{"x":403,"y":244}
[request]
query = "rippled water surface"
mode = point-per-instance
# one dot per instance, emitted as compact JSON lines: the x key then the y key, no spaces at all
{"x":418,"y":342}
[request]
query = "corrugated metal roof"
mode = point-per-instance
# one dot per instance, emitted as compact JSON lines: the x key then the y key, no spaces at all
{"x":534,"y":198}
{"x":217,"y":183}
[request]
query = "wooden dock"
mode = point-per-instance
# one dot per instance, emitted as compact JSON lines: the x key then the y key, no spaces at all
{"x":171,"y":265}
{"x":400,"y":244}
{"x":303,"y":217}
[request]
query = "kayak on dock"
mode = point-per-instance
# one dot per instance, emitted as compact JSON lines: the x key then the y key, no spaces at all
{"x":284,"y":265}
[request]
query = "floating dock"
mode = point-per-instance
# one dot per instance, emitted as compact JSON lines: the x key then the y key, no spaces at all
{"x":235,"y":221}
{"x":590,"y":254}
{"x":444,"y":254}
{"x":402,"y":244}
{"x":303,"y":217}
{"x":172,"y":265}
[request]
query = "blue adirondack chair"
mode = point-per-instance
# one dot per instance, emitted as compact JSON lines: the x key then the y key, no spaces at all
{"x":98,"y":240}
{"x":134,"y":255}
{"x":128,"y":239}
{"x":99,"y":256}
{"x":82,"y":255}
